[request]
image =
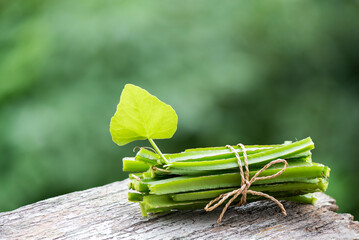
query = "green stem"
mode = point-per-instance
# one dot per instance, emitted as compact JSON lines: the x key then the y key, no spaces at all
{"x":157,"y":150}
{"x":131,"y":165}
{"x":196,"y":183}
{"x":260,"y":158}
{"x":202,"y":155}
{"x":164,"y":203}
{"x":184,"y":172}
{"x":286,"y":189}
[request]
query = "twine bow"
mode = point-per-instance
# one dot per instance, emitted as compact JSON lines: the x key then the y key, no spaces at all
{"x":245,"y":184}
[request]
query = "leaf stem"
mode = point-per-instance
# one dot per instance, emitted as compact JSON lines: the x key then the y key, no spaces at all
{"x":157,"y":150}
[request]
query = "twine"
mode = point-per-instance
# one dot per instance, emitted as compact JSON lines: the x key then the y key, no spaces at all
{"x":148,"y":148}
{"x":245,"y":184}
{"x":160,"y":169}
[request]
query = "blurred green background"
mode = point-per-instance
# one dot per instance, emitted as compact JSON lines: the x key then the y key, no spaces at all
{"x":256,"y":72}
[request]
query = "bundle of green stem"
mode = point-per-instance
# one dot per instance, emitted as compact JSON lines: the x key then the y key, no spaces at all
{"x":191,"y":179}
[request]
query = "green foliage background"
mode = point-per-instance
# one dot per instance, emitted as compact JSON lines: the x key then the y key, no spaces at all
{"x":256,"y":72}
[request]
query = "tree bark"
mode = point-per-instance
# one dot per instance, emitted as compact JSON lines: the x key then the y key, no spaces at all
{"x":105,"y":213}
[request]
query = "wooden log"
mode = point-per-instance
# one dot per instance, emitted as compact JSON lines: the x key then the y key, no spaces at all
{"x":105,"y":213}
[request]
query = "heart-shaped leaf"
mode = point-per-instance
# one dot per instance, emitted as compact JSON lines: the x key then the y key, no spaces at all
{"x":140,"y":116}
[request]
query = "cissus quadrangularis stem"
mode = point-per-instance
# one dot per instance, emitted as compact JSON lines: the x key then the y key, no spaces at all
{"x":195,"y":183}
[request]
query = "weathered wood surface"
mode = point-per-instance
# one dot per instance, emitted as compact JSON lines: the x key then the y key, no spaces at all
{"x":104,"y":213}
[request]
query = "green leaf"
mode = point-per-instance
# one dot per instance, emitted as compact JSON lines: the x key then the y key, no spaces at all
{"x":140,"y":116}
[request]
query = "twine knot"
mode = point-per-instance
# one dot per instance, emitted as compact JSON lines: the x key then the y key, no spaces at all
{"x":245,"y":184}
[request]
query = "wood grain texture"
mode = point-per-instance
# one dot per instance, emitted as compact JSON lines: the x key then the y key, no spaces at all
{"x":105,"y":213}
